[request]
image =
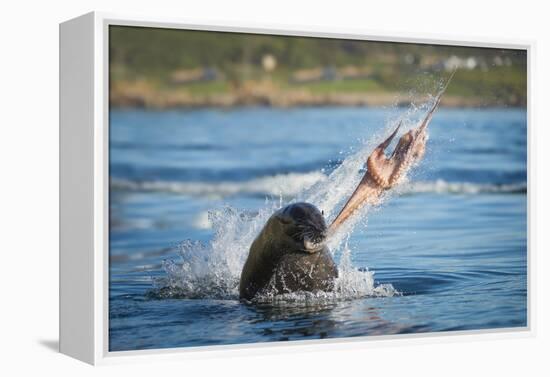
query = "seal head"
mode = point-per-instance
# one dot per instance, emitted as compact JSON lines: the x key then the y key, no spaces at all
{"x":305,"y":225}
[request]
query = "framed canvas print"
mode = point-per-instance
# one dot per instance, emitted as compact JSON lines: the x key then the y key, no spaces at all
{"x":233,"y":188}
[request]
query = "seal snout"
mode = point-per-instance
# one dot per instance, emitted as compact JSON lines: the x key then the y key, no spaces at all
{"x":313,"y":245}
{"x":315,"y":234}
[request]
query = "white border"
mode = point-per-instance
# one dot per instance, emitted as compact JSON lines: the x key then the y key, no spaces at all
{"x":101,"y":192}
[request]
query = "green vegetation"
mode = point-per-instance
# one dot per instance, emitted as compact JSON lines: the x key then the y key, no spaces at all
{"x":167,"y":67}
{"x":207,"y":88}
{"x":344,"y":86}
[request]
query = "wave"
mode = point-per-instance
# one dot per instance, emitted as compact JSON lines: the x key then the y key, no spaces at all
{"x":443,"y":187}
{"x":194,"y":173}
{"x":276,"y":185}
{"x":289,"y":185}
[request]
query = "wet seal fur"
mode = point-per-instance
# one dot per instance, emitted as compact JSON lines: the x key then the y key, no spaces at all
{"x":289,"y":255}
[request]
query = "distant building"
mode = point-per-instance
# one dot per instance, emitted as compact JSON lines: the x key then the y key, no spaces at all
{"x":454,"y":61}
{"x":269,"y":62}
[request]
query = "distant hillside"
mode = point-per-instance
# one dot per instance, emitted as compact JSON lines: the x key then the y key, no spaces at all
{"x":161,"y":68}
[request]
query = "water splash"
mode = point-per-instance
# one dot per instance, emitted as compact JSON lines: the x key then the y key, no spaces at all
{"x":355,"y":283}
{"x":213,"y":270}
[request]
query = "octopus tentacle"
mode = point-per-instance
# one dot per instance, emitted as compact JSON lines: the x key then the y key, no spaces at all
{"x":384,"y":173}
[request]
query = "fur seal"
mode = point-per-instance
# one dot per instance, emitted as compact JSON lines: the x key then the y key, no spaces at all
{"x":289,"y":254}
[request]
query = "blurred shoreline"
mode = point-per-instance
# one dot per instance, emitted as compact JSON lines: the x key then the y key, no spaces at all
{"x":163,"y":69}
{"x":141,"y":95}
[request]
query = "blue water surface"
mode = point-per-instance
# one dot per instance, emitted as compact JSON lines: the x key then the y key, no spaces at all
{"x":457,"y":256}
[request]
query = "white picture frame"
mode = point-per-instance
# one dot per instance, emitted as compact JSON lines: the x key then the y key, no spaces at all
{"x":84,"y":190}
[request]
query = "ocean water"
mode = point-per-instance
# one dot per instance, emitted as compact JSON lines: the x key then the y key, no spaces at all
{"x":446,"y":250}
